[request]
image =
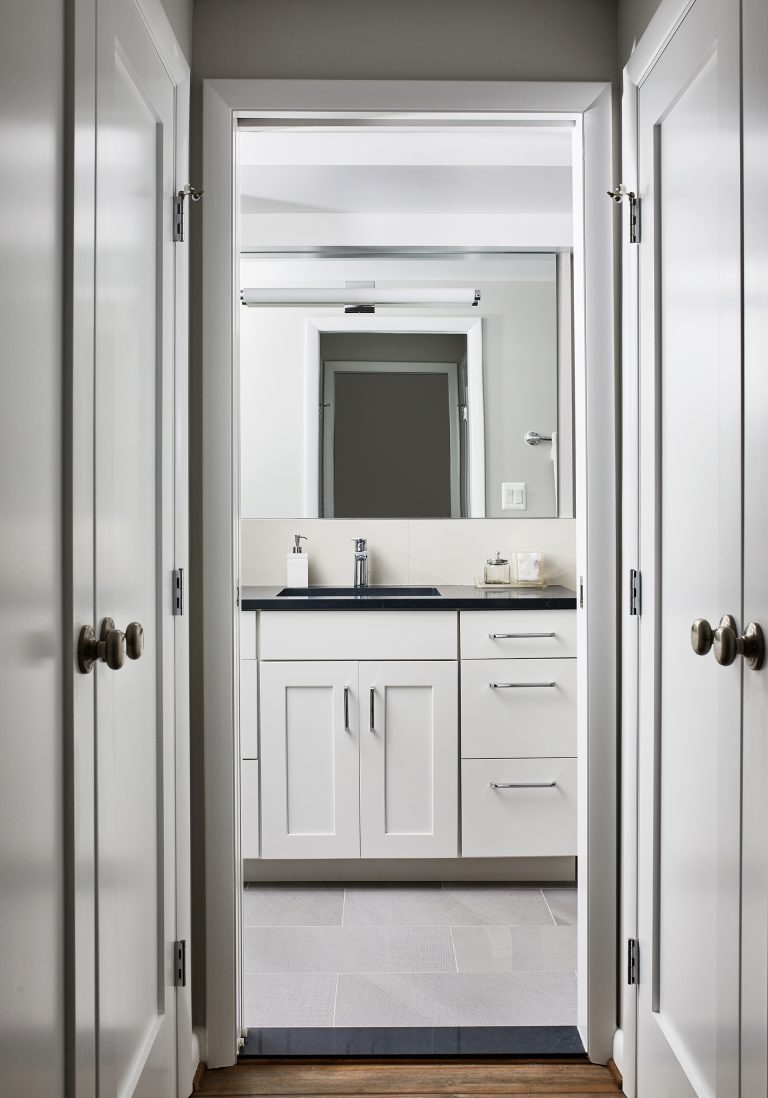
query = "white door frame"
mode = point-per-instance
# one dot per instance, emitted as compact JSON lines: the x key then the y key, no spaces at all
{"x":79,"y":690}
{"x":471,"y":327}
{"x":589,"y":107}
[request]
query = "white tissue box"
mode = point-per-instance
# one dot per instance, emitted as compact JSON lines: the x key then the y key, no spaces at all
{"x":530,"y":568}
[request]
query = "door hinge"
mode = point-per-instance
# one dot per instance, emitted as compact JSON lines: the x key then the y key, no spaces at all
{"x":619,"y":192}
{"x":177,"y":585}
{"x":581,"y":592}
{"x":634,"y":592}
{"x":180,"y":963}
{"x":633,"y":961}
{"x":178,"y":209}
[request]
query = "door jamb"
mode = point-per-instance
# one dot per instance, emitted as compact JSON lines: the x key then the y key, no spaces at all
{"x":590,"y":106}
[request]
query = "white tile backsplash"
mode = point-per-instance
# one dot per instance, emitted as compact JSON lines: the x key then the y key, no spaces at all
{"x":402,"y":551}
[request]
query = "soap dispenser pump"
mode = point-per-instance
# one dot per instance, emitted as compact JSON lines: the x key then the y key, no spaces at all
{"x":297,"y":570}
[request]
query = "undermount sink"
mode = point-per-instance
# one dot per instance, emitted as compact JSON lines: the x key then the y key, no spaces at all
{"x":370,"y":592}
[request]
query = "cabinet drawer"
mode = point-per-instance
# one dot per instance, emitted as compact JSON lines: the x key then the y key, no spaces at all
{"x":491,"y":634}
{"x":518,"y":708}
{"x":358,"y":635}
{"x":530,"y":818}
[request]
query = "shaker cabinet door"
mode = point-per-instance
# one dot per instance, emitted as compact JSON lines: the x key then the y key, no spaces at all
{"x":309,"y":760}
{"x":409,"y":759}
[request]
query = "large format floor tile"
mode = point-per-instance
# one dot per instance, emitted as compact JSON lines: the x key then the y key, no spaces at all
{"x":281,"y":905}
{"x":515,"y":948}
{"x":463,"y":999}
{"x":562,"y":902}
{"x":348,"y":949}
{"x":450,"y":906}
{"x":289,"y":1000}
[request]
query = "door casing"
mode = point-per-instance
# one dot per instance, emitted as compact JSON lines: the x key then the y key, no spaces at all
{"x":589,"y":107}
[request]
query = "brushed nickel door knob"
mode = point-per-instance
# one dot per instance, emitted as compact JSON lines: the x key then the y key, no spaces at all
{"x":134,"y":638}
{"x":703,"y":635}
{"x":113,"y":646}
{"x":728,"y":645}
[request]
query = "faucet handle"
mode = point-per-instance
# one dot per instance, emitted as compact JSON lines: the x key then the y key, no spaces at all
{"x":361,"y":544}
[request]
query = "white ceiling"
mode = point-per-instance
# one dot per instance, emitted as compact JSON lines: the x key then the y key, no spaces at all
{"x":527,"y":169}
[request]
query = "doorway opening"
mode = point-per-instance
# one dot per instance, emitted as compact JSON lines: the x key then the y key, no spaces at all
{"x":406,"y":416}
{"x":464,"y":871}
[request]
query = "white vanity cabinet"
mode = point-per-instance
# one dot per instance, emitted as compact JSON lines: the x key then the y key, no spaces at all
{"x":364,"y":735}
{"x":358,"y":758}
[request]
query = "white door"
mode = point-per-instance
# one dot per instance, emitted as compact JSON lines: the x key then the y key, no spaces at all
{"x":310,"y":766}
{"x":134,"y":559}
{"x":691,"y":541}
{"x":409,"y":749}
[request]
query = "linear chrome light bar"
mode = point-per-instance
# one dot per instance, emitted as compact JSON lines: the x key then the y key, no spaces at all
{"x":360,"y":296}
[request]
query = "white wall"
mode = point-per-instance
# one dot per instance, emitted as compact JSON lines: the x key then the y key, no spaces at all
{"x":31,"y":378}
{"x":404,"y":551}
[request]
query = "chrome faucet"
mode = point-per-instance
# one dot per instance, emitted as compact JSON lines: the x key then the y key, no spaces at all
{"x":361,"y":562}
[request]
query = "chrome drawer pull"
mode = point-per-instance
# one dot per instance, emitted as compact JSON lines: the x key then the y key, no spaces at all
{"x":518,"y":685}
{"x":517,"y":636}
{"x":522,"y":785}
{"x":346,"y":709}
{"x":372,"y":721}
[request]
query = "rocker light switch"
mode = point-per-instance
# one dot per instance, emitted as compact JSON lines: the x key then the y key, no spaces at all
{"x":513,"y":496}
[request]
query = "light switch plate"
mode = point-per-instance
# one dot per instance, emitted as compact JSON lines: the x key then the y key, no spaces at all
{"x":514,"y":495}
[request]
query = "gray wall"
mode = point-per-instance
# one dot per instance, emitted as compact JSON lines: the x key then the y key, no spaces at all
{"x":179,"y":14}
{"x":31,"y":368}
{"x":634,"y":17}
{"x":359,"y":39}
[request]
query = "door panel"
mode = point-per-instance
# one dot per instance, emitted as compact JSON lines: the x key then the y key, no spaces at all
{"x":309,"y":760}
{"x":409,"y":759}
{"x":691,"y":559}
{"x":133,"y":544}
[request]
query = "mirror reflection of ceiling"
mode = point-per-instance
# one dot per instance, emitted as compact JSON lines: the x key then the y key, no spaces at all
{"x":351,"y":187}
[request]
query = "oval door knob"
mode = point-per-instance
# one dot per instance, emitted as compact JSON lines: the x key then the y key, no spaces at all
{"x":703,"y":635}
{"x":113,"y":647}
{"x":727,"y":646}
{"x":134,"y":638}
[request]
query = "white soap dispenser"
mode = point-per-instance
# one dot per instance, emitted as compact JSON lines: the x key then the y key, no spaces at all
{"x":297,"y":569}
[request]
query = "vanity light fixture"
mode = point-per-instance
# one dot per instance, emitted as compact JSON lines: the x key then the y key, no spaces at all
{"x":357,"y":298}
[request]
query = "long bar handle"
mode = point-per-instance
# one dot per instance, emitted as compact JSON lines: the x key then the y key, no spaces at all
{"x":346,"y":709}
{"x":519,"y":685}
{"x":522,"y":785}
{"x":372,"y":714}
{"x":518,"y":636}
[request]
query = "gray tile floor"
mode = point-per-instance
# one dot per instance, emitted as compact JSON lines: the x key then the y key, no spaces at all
{"x":415,"y":955}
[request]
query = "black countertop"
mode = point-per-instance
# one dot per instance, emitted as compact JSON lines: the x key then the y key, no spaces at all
{"x":451,"y":597}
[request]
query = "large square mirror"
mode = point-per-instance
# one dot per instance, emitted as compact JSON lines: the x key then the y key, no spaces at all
{"x":410,"y":410}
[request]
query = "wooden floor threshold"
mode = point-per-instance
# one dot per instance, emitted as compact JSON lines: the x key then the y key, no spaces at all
{"x":411,"y":1079}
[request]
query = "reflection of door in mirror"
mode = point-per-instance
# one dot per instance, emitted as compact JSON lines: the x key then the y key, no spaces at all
{"x":390,"y":440}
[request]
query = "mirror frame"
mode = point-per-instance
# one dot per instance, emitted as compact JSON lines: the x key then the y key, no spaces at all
{"x":471,"y":327}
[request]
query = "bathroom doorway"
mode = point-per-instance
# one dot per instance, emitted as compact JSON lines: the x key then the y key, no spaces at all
{"x":397,"y":951}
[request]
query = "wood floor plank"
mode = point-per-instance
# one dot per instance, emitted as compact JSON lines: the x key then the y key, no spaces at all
{"x":474,"y":1079}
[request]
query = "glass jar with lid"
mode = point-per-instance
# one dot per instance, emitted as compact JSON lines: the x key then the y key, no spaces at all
{"x":496,"y":570}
